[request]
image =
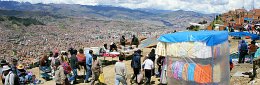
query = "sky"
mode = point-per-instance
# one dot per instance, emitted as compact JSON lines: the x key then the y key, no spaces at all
{"x":202,"y":6}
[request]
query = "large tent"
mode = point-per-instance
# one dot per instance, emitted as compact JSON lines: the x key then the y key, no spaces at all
{"x":199,"y":57}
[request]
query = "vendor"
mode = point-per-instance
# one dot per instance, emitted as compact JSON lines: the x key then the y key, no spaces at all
{"x":135,"y":41}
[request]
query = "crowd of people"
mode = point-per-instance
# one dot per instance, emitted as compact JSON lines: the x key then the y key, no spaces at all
{"x":13,"y":73}
{"x":63,"y":66}
{"x":26,"y":44}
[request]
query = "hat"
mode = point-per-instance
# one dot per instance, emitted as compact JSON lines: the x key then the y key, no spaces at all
{"x":20,"y":66}
{"x":6,"y":68}
{"x":3,"y":62}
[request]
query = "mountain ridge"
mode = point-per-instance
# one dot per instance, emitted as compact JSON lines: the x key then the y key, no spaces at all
{"x":164,"y":17}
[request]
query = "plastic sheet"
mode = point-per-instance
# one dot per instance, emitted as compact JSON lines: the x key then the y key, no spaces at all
{"x":209,"y":69}
{"x":195,"y":58}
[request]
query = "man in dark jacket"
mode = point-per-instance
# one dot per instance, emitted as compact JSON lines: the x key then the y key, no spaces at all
{"x":74,"y":65}
{"x":135,"y":41}
{"x":123,"y":41}
{"x":136,"y":64}
{"x":151,"y":56}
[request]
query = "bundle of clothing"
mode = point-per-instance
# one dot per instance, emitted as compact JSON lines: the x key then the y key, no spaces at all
{"x":191,"y":72}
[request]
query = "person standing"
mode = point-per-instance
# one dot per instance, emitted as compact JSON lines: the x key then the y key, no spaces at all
{"x":10,"y":77}
{"x":53,"y":60}
{"x":152,"y":55}
{"x":135,"y":41}
{"x":136,"y":64}
{"x":251,"y":50}
{"x":2,"y":63}
{"x":160,"y":63}
{"x":74,"y":65}
{"x":81,"y":56}
{"x":96,"y":70}
{"x":123,"y":41}
{"x":88,"y":65}
{"x":242,"y":51}
{"x":59,"y":73}
{"x":148,"y":66}
{"x":120,"y":70}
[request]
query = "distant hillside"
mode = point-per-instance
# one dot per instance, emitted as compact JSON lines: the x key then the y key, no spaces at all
{"x":20,"y":21}
{"x":23,"y":13}
{"x":174,"y":19}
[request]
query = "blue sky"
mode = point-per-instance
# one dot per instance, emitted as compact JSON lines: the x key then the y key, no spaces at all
{"x":203,"y":6}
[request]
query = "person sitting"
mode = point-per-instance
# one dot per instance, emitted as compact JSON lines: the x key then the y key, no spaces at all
{"x":2,"y":63}
{"x":44,"y":64}
{"x":35,"y":81}
{"x":103,"y":49}
{"x":10,"y":77}
{"x":24,"y":77}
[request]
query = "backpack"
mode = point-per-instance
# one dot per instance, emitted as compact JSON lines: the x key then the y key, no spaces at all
{"x":66,"y":67}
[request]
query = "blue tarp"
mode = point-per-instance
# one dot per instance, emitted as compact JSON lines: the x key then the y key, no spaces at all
{"x":147,"y":42}
{"x":248,"y":19}
{"x":210,"y":37}
{"x":242,"y":34}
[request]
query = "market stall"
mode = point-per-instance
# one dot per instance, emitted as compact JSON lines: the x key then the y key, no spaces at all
{"x":192,"y":58}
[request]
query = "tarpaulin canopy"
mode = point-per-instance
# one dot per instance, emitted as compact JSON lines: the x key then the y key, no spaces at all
{"x":242,"y":34}
{"x":248,"y":19}
{"x":200,"y":57}
{"x":211,"y":38}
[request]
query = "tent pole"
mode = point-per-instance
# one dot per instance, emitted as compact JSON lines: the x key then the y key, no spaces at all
{"x":212,"y":52}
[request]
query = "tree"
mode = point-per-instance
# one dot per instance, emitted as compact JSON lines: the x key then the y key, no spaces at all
{"x":203,"y":22}
{"x":193,"y":28}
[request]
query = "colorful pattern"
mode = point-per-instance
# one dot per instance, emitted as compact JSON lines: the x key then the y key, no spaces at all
{"x":191,"y":68}
{"x":180,"y":70}
{"x":110,"y":55}
{"x":185,"y":71}
{"x":203,"y":73}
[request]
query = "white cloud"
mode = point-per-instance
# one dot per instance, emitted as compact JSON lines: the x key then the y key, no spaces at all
{"x":204,"y":6}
